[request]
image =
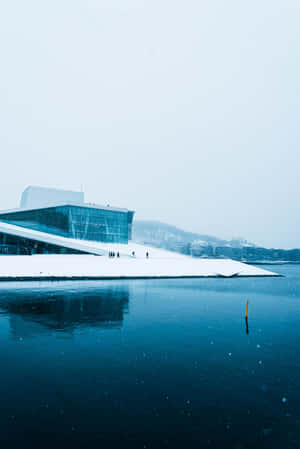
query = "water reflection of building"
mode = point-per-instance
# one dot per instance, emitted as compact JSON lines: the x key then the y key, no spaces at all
{"x":35,"y":312}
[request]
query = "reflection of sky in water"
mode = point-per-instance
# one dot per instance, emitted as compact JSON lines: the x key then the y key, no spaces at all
{"x":152,"y":363}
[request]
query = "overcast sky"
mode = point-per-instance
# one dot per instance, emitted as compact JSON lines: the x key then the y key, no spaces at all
{"x":185,"y":111}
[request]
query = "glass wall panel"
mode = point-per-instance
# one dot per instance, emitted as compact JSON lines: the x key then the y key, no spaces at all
{"x":86,"y":223}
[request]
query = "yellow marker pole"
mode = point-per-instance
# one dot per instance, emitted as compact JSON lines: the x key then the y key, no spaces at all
{"x":246,"y":317}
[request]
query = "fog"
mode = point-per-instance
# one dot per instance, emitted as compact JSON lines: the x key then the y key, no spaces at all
{"x":186,"y":112}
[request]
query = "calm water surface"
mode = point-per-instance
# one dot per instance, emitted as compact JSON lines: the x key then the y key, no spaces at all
{"x":151,"y":364}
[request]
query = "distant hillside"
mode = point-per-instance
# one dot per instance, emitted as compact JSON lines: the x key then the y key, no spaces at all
{"x":154,"y":231}
{"x":163,"y":235}
{"x":170,"y":237}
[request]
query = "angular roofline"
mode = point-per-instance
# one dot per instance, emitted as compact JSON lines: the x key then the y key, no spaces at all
{"x":61,"y":204}
{"x":52,"y":239}
{"x":51,"y":188}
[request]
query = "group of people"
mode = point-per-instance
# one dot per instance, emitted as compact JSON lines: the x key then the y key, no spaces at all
{"x":113,"y":254}
{"x":133,"y":254}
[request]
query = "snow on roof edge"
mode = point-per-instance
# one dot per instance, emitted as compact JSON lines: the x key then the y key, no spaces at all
{"x":69,"y":203}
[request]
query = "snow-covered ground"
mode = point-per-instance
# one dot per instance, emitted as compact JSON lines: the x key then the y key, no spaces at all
{"x":89,"y":266}
{"x":132,"y":262}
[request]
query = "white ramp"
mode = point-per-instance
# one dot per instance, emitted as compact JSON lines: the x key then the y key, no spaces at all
{"x":92,"y":267}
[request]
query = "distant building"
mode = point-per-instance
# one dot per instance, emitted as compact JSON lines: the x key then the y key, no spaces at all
{"x":60,"y":213}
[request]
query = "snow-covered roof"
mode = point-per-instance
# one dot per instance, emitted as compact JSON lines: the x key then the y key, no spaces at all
{"x":132,"y":263}
{"x":80,"y":245}
{"x":92,"y":247}
{"x":55,"y":267}
{"x":70,"y":203}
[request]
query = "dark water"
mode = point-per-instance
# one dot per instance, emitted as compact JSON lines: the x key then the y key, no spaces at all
{"x":151,"y":364}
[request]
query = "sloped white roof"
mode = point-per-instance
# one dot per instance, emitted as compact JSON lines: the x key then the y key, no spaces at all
{"x":132,"y":263}
{"x":92,"y":247}
{"x":91,"y":267}
{"x":65,"y":242}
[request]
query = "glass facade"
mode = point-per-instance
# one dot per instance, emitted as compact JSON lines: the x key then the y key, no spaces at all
{"x":78,"y":222}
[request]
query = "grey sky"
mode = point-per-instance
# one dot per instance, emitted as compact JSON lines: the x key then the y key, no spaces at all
{"x":186,"y":111}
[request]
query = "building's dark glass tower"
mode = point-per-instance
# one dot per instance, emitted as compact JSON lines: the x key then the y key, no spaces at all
{"x":83,"y":222}
{"x":80,"y":220}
